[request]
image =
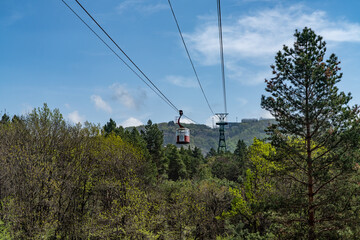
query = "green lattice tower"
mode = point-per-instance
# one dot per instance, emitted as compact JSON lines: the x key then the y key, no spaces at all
{"x":221,"y":123}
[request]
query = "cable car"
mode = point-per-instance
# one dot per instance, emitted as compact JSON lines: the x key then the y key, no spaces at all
{"x":182,"y":133}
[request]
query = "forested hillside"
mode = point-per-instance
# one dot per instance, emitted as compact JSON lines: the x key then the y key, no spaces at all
{"x":206,"y":138}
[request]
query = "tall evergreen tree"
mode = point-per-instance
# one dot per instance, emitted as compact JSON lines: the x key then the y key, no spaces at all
{"x":177,"y":168}
{"x":316,"y":133}
{"x":211,"y":153}
{"x":5,"y":118}
{"x":154,"y":139}
{"x":241,"y":149}
{"x":241,"y":157}
{"x":109,"y":127}
{"x":196,"y":159}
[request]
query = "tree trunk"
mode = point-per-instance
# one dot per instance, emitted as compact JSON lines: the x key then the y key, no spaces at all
{"x":311,"y":210}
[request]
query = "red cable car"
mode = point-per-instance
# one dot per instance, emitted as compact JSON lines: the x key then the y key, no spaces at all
{"x":182,"y":133}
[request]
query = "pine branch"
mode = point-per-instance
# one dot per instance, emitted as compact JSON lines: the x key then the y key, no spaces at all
{"x":327,"y":182}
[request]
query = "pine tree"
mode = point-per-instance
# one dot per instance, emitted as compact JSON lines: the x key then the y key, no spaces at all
{"x":241,"y":149}
{"x":212,"y":152}
{"x":154,"y":139}
{"x":109,"y":127}
{"x":241,"y":158}
{"x":177,"y":168}
{"x":316,"y":132}
{"x":5,"y":119}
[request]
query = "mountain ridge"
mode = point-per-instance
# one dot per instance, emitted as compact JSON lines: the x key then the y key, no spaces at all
{"x":205,"y":137}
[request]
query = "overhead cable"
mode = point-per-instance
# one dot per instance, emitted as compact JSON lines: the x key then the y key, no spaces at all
{"x":158,"y":92}
{"x":175,"y":108}
{"x":188,"y":54}
{"x":221,"y":52}
{"x":117,"y":55}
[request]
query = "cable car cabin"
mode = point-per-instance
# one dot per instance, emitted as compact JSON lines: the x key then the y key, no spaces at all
{"x":182,"y":133}
{"x":182,"y":136}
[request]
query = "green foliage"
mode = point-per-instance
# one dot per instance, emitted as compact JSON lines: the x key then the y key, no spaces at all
{"x":250,"y":201}
{"x":53,"y":173}
{"x":244,"y":234}
{"x":225,"y":167}
{"x":212,"y":152}
{"x":139,"y":141}
{"x":5,"y":119}
{"x":84,"y":185}
{"x":316,"y":135}
{"x":110,"y":127}
{"x":4,"y":231}
{"x":177,"y":168}
{"x":153,"y":138}
{"x":241,"y":150}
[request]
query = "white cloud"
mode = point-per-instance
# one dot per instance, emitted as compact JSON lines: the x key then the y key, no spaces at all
{"x":182,"y":81}
{"x":154,"y":8}
{"x":121,"y":94}
{"x":266,"y":114}
{"x":183,"y":120}
{"x":247,"y":76}
{"x":242,"y":101}
{"x":75,"y":117}
{"x":186,"y":120}
{"x":348,"y":33}
{"x":141,"y":6}
{"x":127,"y":4}
{"x":255,"y":39}
{"x":131,"y":122}
{"x":211,"y":121}
{"x":101,"y":104}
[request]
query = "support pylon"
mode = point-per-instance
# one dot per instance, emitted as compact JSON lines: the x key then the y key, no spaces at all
{"x":221,"y":123}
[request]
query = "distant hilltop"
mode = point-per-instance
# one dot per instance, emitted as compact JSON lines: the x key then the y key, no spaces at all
{"x":250,"y":120}
{"x":205,"y":137}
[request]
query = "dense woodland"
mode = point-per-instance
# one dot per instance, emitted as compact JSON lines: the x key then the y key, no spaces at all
{"x":64,"y":181}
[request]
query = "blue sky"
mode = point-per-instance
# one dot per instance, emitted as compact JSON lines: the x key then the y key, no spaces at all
{"x":48,"y":56}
